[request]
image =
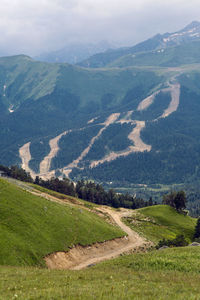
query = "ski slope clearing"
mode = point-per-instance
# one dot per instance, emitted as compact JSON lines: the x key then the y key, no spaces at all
{"x":46,"y":163}
{"x":136,"y":142}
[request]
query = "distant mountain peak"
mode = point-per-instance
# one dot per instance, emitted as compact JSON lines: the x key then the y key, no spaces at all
{"x":192,"y":25}
{"x":189,"y":33}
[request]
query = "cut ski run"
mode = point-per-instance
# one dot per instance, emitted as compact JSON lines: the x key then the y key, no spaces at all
{"x":136,"y":143}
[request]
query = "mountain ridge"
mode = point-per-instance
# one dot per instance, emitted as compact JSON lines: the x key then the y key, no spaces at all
{"x":157,"y":42}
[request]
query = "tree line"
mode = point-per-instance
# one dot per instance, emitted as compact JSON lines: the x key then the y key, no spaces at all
{"x":93,"y":192}
{"x":16,"y":173}
{"x":86,"y":190}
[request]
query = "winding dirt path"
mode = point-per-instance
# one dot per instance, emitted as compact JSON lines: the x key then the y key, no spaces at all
{"x":81,"y":257}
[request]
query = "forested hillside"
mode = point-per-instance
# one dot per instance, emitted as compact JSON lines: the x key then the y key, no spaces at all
{"x":135,"y":121}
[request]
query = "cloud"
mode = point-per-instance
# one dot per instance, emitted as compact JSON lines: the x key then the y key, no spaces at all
{"x":33,"y":26}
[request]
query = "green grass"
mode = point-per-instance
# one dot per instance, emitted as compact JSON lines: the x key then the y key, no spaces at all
{"x":161,"y":221}
{"x":168,"y":274}
{"x":32,"y":227}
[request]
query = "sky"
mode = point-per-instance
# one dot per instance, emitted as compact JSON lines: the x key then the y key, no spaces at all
{"x":36,"y":26}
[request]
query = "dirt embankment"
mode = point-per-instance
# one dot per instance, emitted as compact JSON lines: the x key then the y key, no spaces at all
{"x":80,"y":257}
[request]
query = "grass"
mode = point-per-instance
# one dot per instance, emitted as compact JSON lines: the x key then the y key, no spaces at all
{"x":161,"y":221}
{"x":168,"y":274}
{"x":32,"y":227}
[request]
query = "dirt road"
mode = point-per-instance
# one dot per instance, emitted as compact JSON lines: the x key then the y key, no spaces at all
{"x":81,"y":257}
{"x":133,"y":240}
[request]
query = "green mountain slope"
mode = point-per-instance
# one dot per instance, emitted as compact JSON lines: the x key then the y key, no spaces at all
{"x":32,"y":227}
{"x":174,"y":154}
{"x":41,"y":100}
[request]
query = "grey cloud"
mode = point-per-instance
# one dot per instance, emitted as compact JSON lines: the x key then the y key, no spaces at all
{"x":33,"y":26}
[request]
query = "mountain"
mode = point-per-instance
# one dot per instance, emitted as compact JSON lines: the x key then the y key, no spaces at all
{"x":157,"y":43}
{"x":134,"y":121}
{"x":75,"y":52}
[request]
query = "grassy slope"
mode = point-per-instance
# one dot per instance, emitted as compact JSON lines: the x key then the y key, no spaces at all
{"x":26,"y":78}
{"x":161,"y":221}
{"x":168,"y":274}
{"x":31,"y":227}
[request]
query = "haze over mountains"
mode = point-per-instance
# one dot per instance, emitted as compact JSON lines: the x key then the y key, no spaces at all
{"x":75,"y":52}
{"x":130,"y":113}
{"x":159,"y":42}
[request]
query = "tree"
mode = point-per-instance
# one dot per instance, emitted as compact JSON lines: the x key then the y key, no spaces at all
{"x":37,"y":180}
{"x":176,"y":200}
{"x":197,"y":229}
{"x":180,"y":201}
{"x":169,"y":199}
{"x":179,"y":241}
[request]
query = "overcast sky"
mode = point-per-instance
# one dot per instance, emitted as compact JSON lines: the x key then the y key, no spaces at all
{"x":35,"y":26}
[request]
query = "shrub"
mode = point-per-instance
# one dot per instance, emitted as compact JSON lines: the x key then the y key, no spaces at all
{"x":179,"y":241}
